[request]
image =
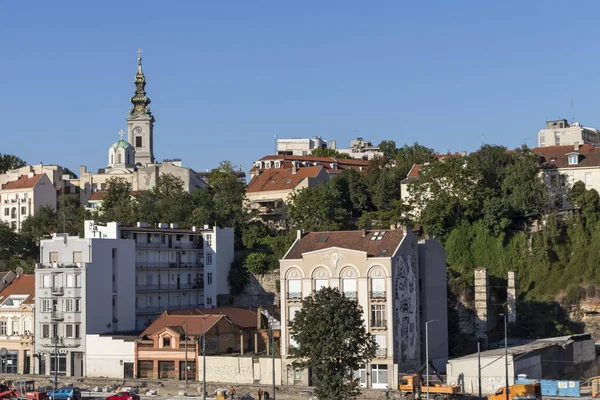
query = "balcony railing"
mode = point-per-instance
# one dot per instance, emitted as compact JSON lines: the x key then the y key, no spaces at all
{"x":57,"y":291}
{"x":197,"y":264}
{"x":380,"y":352}
{"x":351,"y":295}
{"x":378,"y":323}
{"x":182,"y":286}
{"x":377,"y":295}
{"x":58,"y":316}
{"x":294,"y":296}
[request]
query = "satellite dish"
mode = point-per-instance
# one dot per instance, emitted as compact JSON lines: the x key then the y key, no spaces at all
{"x":19,"y":271}
{"x":3,"y":352}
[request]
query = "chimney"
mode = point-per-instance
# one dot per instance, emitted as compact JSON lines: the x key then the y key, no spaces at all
{"x":364,"y":232}
{"x":299,"y":234}
{"x":332,"y":145}
{"x":294,"y":167}
{"x":576,"y":146}
{"x":511,"y":297}
{"x":30,"y":175}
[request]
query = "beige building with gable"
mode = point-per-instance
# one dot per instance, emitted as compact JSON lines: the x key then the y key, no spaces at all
{"x":21,"y":198}
{"x":399,"y":281}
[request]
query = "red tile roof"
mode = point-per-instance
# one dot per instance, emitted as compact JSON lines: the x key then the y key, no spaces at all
{"x":241,"y":317}
{"x":97,"y":196}
{"x":281,"y":179}
{"x":22,"y":285}
{"x":193,"y":324}
{"x":340,"y":161}
{"x":24,"y":182}
{"x":353,"y":240}
{"x":557,"y":156}
{"x":414,"y":171}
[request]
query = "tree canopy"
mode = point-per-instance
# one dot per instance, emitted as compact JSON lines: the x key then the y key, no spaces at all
{"x":330,"y":338}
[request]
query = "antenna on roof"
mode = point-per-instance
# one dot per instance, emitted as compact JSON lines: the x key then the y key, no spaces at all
{"x":275,"y":137}
{"x":572,"y":115}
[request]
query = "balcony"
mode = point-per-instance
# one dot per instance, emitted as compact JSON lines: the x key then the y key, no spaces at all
{"x":57,"y":291}
{"x":381,"y":352}
{"x":163,"y":286}
{"x":166,"y":265}
{"x":58,"y":316}
{"x":173,"y":245}
{"x":294,"y":296}
{"x":378,"y":324}
{"x":351,"y":295}
{"x":377,"y":295}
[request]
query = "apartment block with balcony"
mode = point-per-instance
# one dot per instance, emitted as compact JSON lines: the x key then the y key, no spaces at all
{"x":22,"y":197}
{"x":83,"y":286}
{"x":399,"y":282}
{"x":175,"y":268}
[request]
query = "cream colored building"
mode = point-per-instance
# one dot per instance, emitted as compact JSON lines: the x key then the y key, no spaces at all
{"x":560,"y":133}
{"x":17,"y":325}
{"x":399,"y":282}
{"x":21,"y":198}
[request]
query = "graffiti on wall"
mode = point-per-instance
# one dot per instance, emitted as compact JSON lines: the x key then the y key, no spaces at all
{"x":406,"y":339}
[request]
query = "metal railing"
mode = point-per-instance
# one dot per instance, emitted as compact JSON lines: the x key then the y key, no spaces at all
{"x":377,"y":295}
{"x":378,"y":323}
{"x":57,"y":291}
{"x":58,"y":316}
{"x":294,"y":296}
{"x":381,"y":352}
{"x":351,"y":295}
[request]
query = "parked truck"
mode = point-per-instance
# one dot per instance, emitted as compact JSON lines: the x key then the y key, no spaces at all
{"x":527,"y":391}
{"x":413,"y":386}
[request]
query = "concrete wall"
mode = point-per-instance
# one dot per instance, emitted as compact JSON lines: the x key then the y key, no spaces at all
{"x":463,"y":371}
{"x":261,"y":290}
{"x":105,"y":356}
{"x":433,"y":297}
{"x":240,"y":370}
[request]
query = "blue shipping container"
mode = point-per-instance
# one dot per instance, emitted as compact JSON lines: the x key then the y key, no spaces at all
{"x":555,"y":388}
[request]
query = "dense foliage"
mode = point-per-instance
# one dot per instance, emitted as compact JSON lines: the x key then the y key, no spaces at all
{"x":331,"y":339}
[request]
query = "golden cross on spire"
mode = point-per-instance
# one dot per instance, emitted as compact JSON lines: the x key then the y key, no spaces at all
{"x":139,"y":51}
{"x":121,"y":133}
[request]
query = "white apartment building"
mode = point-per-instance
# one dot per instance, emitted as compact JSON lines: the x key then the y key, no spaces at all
{"x":560,"y":133}
{"x":360,"y":149}
{"x":119,"y":279}
{"x":23,"y":197}
{"x":300,"y":146}
{"x":83,"y":286}
{"x":399,"y":282}
{"x":175,"y":268}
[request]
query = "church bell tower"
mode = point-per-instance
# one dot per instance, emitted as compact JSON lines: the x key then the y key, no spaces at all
{"x":140,"y":121}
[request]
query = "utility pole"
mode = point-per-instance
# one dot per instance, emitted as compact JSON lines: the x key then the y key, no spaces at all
{"x":427,"y":351}
{"x":186,"y":357}
{"x":506,"y":353}
{"x":55,"y":357}
{"x":479,"y":366}
{"x":273,"y":355}
{"x":204,"y":358}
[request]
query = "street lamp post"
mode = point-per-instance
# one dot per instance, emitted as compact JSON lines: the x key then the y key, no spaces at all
{"x":273,"y":356}
{"x":427,"y":352}
{"x":204,"y":358}
{"x":506,"y":353}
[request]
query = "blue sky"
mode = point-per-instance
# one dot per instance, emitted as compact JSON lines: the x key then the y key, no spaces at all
{"x":224,"y":77}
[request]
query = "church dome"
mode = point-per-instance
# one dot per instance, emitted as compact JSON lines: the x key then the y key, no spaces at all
{"x":121,"y":144}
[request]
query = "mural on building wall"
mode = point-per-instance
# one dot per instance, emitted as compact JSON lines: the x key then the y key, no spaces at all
{"x":406,"y":340}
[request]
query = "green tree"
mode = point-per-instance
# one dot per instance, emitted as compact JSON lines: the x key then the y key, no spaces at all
{"x":317,"y":209}
{"x":8,"y":162}
{"x":41,"y":225}
{"x":331,"y":340}
{"x":388,"y":148}
{"x":321,"y":152}
{"x":118,"y":204}
{"x":229,"y":195}
{"x":259,"y":263}
{"x":407,"y":156}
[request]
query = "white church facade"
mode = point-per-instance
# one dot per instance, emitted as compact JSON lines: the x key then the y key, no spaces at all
{"x":133,"y":159}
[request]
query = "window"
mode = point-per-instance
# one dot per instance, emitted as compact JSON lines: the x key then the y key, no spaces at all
{"x":15,"y":327}
{"x":23,"y":210}
{"x":320,"y":284}
{"x":361,"y":375}
{"x":542,"y":140}
{"x":13,"y":212}
{"x":378,"y":288}
{"x":573,"y":159}
{"x":46,"y":306}
{"x":70,"y":281}
{"x":209,"y":278}
{"x":46,"y":331}
{"x":3,"y":328}
{"x":379,"y":376}
{"x":138,"y":141}
{"x":166,"y":342}
{"x":209,"y":240}
{"x":69,"y":305}
{"x":6,"y":211}
{"x":27,"y":326}
{"x":209,"y":301}
{"x":294,"y":289}
{"x":208,"y":258}
{"x":77,"y":336}
{"x":78,"y":280}
{"x":69,"y":333}
{"x":377,"y":316}
{"x":53,"y":256}
{"x":46,"y":281}
{"x":78,"y":305}
{"x":349,"y":287}
{"x":557,"y":139}
{"x":292,"y":312}
{"x":77,"y":256}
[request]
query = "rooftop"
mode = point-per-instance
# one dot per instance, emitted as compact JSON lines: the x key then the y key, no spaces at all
{"x":23,"y":285}
{"x":376,"y":243}
{"x":241,"y":317}
{"x":281,"y":179}
{"x":192,"y":325}
{"x":557,"y":156}
{"x":24,"y":182}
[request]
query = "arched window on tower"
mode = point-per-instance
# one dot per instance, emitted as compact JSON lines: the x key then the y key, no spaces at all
{"x":112,"y":158}
{"x":127,"y":158}
{"x":119,"y":158}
